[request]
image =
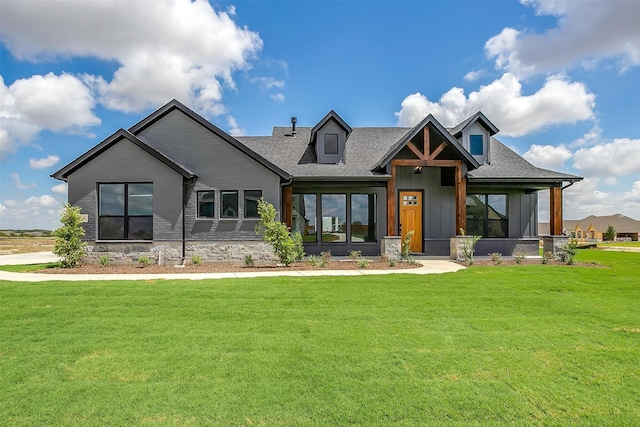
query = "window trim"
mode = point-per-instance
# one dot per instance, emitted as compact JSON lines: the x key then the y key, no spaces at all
{"x":213,"y":202}
{"x":222,"y":194}
{"x":337,"y":150}
{"x":125,"y":215}
{"x":244,"y":194}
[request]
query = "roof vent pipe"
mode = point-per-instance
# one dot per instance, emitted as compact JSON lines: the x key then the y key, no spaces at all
{"x":294,"y":120}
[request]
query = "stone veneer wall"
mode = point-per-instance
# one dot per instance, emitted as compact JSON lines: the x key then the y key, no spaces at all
{"x":170,"y":253}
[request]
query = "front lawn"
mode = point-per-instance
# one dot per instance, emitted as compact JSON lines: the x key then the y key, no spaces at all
{"x":522,"y":345}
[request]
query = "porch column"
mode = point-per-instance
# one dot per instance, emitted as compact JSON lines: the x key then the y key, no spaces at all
{"x":391,"y":202}
{"x":287,"y":204}
{"x":555,"y":211}
{"x":461,"y":200}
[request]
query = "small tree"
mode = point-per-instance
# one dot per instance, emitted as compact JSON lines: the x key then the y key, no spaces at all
{"x":468,"y":247}
{"x":610,"y":234}
{"x":69,"y":245}
{"x":287,"y":246}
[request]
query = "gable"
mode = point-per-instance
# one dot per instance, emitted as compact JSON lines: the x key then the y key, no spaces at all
{"x":329,"y":137}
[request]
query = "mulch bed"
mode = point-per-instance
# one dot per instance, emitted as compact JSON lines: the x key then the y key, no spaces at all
{"x":222,"y":267}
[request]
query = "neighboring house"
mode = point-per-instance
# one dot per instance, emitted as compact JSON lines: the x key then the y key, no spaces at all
{"x":593,"y":228}
{"x":174,"y":185}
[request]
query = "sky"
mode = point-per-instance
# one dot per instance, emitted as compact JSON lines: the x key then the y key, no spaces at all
{"x":559,"y":78}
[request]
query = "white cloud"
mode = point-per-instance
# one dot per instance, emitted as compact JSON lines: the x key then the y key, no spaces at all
{"x":188,"y":57}
{"x":548,"y":156}
{"x":234,"y":128}
{"x":19,"y":184}
{"x":34,"y":212}
{"x":47,"y":162}
{"x":60,"y":188}
{"x":616,"y":158}
{"x":558,"y":101}
{"x":633,"y":196}
{"x":278,"y":97}
{"x":586,"y":198}
{"x":472,"y":76}
{"x":268,"y":82}
{"x":587,"y":31}
{"x":57,"y":103}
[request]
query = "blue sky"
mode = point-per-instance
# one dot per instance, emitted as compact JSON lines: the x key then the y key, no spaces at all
{"x":560,"y":79}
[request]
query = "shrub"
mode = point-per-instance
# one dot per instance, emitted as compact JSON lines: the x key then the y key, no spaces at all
{"x":69,"y":245}
{"x":326,"y":257}
{"x":468,"y":247}
{"x":519,"y":257}
{"x":105,"y":260}
{"x":363,"y":263}
{"x":287,"y":246}
{"x":144,"y":260}
{"x":248,"y":260}
{"x":196,"y":259}
{"x":392,"y":262}
{"x":610,"y":234}
{"x":547,"y":256}
{"x":355,"y":255}
{"x":316,"y":261}
{"x":496,"y":257}
{"x":406,"y":244}
{"x":569,"y":252}
{"x":410,"y":260}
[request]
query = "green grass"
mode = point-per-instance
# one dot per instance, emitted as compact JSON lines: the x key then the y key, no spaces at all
{"x":524,"y":345}
{"x":620,"y":244}
{"x":28,"y":267}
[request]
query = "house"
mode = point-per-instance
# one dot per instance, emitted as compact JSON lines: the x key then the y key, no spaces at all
{"x":592,"y":228}
{"x":174,"y":185}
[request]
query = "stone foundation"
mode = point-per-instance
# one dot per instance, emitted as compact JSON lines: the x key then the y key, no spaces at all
{"x":554,"y":244}
{"x":170,"y":253}
{"x":391,"y":247}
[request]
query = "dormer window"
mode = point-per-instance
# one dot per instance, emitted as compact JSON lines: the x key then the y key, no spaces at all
{"x":331,"y":143}
{"x":476,"y":145}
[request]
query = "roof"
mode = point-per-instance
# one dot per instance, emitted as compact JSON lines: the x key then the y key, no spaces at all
{"x":400,"y":144}
{"x":363,"y":151}
{"x":121,"y":134}
{"x":508,"y":167}
{"x":479,"y":117}
{"x":331,"y":115}
{"x":622,"y":224}
{"x":176,"y":105}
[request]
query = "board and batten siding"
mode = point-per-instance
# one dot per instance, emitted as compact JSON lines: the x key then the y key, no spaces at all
{"x":126,"y":162}
{"x":219,"y":166}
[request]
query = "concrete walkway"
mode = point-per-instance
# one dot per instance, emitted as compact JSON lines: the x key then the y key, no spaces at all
{"x":428,"y":267}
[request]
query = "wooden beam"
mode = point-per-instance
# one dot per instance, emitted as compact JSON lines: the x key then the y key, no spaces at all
{"x":555,"y":211}
{"x":461,"y":200}
{"x":391,"y":202}
{"x":425,"y":162}
{"x":287,"y":205}
{"x":425,"y":142}
{"x":415,"y":150}
{"x":437,"y":151}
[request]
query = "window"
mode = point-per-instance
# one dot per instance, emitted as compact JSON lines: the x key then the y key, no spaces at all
{"x":304,"y":217}
{"x":205,"y":204}
{"x":487,"y":215}
{"x":334,"y":217}
{"x":251,"y":198}
{"x":125,"y":211}
{"x":331,"y":143}
{"x":476,"y":145}
{"x":363,"y":218}
{"x":229,"y":204}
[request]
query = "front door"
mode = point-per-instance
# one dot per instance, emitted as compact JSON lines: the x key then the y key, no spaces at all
{"x":411,"y":218}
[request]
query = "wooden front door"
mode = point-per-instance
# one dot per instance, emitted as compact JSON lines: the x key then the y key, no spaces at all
{"x":411,"y":217}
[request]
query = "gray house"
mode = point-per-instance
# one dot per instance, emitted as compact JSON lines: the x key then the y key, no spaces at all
{"x":174,"y":185}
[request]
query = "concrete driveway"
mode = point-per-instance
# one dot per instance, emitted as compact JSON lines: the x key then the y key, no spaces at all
{"x":29,"y":258}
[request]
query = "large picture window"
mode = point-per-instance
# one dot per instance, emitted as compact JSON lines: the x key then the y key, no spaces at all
{"x":303,"y":217}
{"x":125,"y":211}
{"x":334,"y":217}
{"x":229,"y":204}
{"x":487,"y":215}
{"x":363,"y":218}
{"x":206,"y":204}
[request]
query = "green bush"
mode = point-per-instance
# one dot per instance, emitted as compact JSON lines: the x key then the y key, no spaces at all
{"x":496,"y":257}
{"x":248,"y":260}
{"x":363,"y":263}
{"x":287,"y":246}
{"x":69,"y":245}
{"x":406,"y":244}
{"x":519,"y":257}
{"x":144,"y":260}
{"x":316,"y":261}
{"x":196,"y":259}
{"x":547,"y":256}
{"x":105,"y":260}
{"x":569,"y":252}
{"x":468,"y":247}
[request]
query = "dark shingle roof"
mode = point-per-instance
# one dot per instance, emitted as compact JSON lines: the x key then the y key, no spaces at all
{"x":508,"y":167}
{"x":363,"y":150}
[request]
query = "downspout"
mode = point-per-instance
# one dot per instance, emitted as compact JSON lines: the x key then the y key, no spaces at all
{"x":184,"y":233}
{"x":282,"y":185}
{"x":567,"y":186}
